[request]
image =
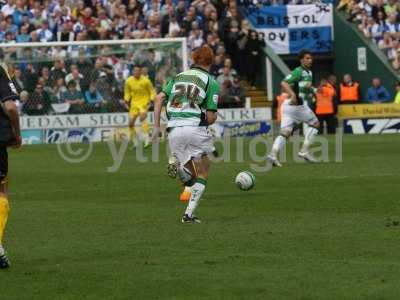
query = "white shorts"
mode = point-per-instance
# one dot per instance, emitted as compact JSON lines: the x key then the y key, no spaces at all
{"x":296,"y":114}
{"x":189,"y":142}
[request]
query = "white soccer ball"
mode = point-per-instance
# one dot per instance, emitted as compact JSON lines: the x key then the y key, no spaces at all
{"x":245,"y":180}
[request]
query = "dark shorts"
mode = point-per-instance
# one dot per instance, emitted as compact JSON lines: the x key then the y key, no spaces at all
{"x":3,"y":165}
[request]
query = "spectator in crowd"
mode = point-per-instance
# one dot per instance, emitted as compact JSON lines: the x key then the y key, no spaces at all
{"x":236,"y":93}
{"x":18,"y":80}
{"x":218,"y":65}
{"x":44,"y":34}
{"x":226,"y":76}
{"x":195,"y":38}
{"x":23,"y":36}
{"x":253,"y":58}
{"x":349,"y":90}
{"x":151,"y":65}
{"x":73,"y":97}
{"x":377,"y":93}
{"x":59,"y":52}
{"x":85,"y":67}
{"x":397,"y":97}
{"x":94,"y":101}
{"x":74,"y":75}
{"x":45,"y":75}
{"x":228,"y":64}
{"x":66,"y":34}
{"x":386,"y":43}
{"x":372,"y":30}
{"x":326,"y":105}
{"x":393,"y":27}
{"x":57,"y":71}
{"x":10,"y":27}
{"x":19,"y":13}
{"x":243,"y":36}
{"x":378,"y":8}
{"x":58,"y":90}
{"x":394,"y":54}
{"x":39,"y":102}
{"x":23,"y":99}
{"x":225,"y":100}
{"x":30,"y":78}
{"x":231,"y":41}
{"x":391,"y":7}
{"x":8,"y":8}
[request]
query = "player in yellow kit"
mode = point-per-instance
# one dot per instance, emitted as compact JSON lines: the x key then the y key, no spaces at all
{"x":138,"y":93}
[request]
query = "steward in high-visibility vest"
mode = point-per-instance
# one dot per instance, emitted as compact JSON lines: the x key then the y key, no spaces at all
{"x":349,"y":90}
{"x":325,"y":107}
{"x":324,"y":98}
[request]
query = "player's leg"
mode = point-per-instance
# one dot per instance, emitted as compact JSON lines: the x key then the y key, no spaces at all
{"x":4,"y":206}
{"x":188,"y":177}
{"x":287,"y":124}
{"x":200,"y":146}
{"x":202,"y":165}
{"x":180,"y":164}
{"x":133,"y":115}
{"x":145,"y":125}
{"x":307,"y":115}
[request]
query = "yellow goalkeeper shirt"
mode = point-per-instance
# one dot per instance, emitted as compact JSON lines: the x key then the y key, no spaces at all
{"x":138,"y":91}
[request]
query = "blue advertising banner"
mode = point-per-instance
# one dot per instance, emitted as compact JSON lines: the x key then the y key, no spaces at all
{"x":372,"y":126}
{"x":291,"y":28}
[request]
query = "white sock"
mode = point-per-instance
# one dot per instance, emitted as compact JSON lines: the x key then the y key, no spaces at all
{"x":197,"y":191}
{"x":1,"y":250}
{"x":309,"y":137}
{"x":278,"y":144}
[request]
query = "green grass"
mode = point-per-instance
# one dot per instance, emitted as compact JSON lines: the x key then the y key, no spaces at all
{"x":304,"y":232}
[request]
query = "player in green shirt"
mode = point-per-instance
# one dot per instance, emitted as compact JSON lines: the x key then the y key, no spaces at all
{"x":191,"y":99}
{"x":295,"y":110}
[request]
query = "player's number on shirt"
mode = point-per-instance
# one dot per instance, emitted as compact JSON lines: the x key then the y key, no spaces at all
{"x":190,"y":92}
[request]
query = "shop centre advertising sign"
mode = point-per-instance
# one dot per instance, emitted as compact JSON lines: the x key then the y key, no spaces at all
{"x":86,"y":128}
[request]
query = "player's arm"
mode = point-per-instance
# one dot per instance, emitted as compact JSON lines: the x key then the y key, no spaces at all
{"x":212,"y":103}
{"x":158,"y":103}
{"x":288,"y":82}
{"x":10,"y":108}
{"x":8,"y":94}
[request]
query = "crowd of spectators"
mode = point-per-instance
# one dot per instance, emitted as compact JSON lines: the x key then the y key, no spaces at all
{"x":87,"y":80}
{"x":378,"y":20}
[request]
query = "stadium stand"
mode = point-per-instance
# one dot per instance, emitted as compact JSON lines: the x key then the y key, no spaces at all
{"x":378,"y":21}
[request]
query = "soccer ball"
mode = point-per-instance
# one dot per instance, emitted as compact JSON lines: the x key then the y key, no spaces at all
{"x":245,"y":180}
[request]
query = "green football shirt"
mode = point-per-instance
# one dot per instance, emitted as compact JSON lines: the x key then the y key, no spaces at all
{"x":300,"y":80}
{"x":189,"y":94}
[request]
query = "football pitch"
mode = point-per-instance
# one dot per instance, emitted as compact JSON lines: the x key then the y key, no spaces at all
{"x":305,"y":231}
